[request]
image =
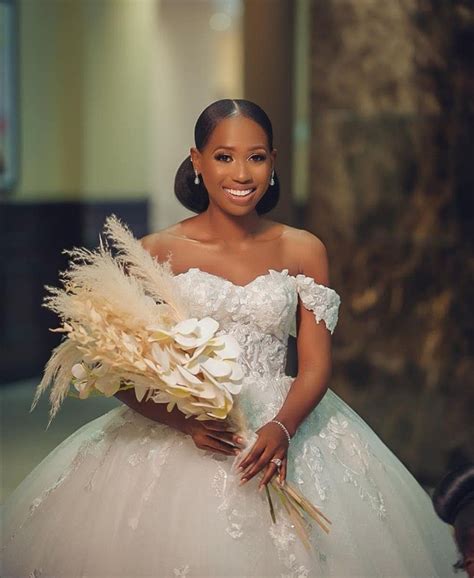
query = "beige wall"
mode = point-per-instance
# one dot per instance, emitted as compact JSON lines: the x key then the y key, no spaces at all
{"x":194,"y":66}
{"x":45,"y":85}
{"x":111,"y":90}
{"x":85,"y":98}
{"x":117,"y":49}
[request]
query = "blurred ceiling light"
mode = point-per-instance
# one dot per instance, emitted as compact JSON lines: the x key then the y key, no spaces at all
{"x":220,"y":21}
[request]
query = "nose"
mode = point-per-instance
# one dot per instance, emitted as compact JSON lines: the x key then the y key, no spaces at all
{"x":242,"y":172}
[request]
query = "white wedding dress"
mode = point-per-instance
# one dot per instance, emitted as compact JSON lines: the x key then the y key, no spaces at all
{"x":125,"y":496}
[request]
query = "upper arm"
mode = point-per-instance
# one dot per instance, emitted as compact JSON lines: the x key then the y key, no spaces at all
{"x":313,"y":339}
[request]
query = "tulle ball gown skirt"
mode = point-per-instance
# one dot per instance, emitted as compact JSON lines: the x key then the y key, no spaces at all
{"x":125,"y":496}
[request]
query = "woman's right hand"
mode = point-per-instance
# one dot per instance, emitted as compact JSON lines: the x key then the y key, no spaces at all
{"x":214,"y":436}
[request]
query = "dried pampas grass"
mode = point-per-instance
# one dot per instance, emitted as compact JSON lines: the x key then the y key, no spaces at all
{"x":126,"y":286}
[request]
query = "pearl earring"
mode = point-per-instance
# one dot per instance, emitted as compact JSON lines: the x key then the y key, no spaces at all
{"x":272,"y":180}
{"x":196,"y":180}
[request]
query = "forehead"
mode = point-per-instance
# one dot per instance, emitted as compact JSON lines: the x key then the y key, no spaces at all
{"x":238,"y":132}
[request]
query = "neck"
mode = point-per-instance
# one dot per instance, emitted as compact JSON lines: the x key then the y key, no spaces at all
{"x":231,"y":228}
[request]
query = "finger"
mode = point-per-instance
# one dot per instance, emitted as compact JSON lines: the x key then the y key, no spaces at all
{"x":282,"y":474}
{"x":266,"y":448}
{"x":217,"y":446}
{"x":260,"y":464}
{"x":270,"y":471}
{"x":253,"y":455}
{"x":229,"y":438}
{"x":266,"y":461}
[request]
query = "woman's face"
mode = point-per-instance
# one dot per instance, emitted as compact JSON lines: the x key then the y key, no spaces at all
{"x":235,"y":165}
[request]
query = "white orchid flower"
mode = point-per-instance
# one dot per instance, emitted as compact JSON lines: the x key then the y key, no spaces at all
{"x":226,"y":347}
{"x":217,"y":367}
{"x":186,"y":327}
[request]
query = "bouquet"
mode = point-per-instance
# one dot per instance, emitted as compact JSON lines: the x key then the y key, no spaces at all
{"x":127,"y":327}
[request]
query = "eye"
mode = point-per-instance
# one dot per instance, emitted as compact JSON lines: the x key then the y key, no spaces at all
{"x":222,"y":156}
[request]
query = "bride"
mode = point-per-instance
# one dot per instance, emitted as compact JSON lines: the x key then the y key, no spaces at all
{"x":143,"y":492}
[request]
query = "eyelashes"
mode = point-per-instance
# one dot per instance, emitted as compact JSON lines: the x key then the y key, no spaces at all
{"x":220,"y":156}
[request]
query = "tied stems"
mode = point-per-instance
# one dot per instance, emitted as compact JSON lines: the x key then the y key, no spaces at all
{"x":299,"y":509}
{"x":270,"y":503}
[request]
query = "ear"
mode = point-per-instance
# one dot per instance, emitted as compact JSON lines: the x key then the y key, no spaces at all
{"x":273,"y":154}
{"x":195,"y":158}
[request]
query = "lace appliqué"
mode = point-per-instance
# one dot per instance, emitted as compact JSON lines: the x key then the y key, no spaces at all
{"x":99,"y":445}
{"x":312,"y":458}
{"x":155,"y":452}
{"x":87,"y":447}
{"x":284,"y":537}
{"x":356,"y":458}
{"x":321,"y":300}
{"x":232,"y":502}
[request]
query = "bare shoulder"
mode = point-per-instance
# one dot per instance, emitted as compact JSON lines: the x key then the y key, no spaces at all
{"x":308,"y":254}
{"x":160,"y":243}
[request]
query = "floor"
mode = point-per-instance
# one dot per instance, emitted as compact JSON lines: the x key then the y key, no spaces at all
{"x":25,"y":441}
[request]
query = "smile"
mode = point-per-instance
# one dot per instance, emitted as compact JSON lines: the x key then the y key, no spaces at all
{"x":239,"y":192}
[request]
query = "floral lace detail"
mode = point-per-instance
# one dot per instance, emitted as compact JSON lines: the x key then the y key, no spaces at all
{"x":156,"y":455}
{"x":268,"y":303}
{"x":232,"y":502}
{"x":284,"y":537}
{"x":356,"y":457}
{"x":87,"y":447}
{"x":321,"y":300}
{"x":311,"y":460}
{"x":99,"y":445}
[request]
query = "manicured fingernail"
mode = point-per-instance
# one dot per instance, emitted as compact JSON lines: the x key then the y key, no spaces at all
{"x":240,"y":468}
{"x":242,"y":481}
{"x":260,"y":488}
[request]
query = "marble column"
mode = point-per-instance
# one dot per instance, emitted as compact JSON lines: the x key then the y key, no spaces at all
{"x":391,"y":196}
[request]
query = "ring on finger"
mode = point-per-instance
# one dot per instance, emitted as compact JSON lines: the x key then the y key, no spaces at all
{"x":277,"y":462}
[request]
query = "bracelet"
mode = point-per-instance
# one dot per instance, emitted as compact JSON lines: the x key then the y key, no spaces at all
{"x":287,"y":433}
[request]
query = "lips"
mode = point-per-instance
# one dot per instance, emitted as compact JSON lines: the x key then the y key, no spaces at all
{"x":239,"y":192}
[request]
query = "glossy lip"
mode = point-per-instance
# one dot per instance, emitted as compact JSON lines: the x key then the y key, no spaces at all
{"x":240,"y":188}
{"x":240,"y":200}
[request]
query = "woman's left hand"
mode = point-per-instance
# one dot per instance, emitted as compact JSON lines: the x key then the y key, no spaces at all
{"x":271,"y":443}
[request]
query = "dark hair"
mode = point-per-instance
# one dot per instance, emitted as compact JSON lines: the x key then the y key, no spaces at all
{"x":195,"y":197}
{"x":454,"y":492}
{"x":453,"y":500}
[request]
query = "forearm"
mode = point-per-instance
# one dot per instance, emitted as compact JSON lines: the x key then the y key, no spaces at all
{"x":306,"y":391}
{"x":155,"y":411}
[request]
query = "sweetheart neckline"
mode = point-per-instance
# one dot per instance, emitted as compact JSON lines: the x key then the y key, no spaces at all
{"x":263,"y":275}
{"x":284,"y":272}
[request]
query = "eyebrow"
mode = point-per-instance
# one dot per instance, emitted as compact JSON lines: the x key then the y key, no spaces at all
{"x":233,"y":148}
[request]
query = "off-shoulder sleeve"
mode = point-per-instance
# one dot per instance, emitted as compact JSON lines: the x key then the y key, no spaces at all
{"x":321,"y":300}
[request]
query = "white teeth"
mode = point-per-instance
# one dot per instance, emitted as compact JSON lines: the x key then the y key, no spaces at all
{"x":239,"y":193}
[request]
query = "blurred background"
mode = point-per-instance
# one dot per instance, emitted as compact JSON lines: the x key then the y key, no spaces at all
{"x":372,"y":108}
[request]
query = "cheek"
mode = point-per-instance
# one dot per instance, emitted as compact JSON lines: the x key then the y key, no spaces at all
{"x":219,"y":172}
